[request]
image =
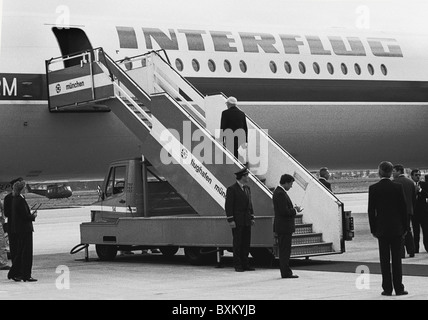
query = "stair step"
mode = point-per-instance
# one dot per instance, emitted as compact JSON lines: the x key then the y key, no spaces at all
{"x":299,"y":219}
{"x":146,"y":110}
{"x":311,"y":249}
{"x":303,"y":229}
{"x":310,"y":238}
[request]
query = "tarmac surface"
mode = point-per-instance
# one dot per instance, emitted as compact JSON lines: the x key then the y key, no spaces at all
{"x":154,"y":277}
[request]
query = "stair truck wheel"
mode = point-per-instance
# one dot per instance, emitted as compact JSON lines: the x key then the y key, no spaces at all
{"x":169,"y":251}
{"x":263,"y":256}
{"x":198,"y":256}
{"x":106,"y":252}
{"x":193,"y":254}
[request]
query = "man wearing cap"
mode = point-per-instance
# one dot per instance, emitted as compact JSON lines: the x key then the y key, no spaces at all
{"x":240,"y":215}
{"x":234,"y":126}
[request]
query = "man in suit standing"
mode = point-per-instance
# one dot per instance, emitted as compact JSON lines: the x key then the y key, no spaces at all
{"x":420,"y":218}
{"x":324,"y":176}
{"x":410,"y":193}
{"x":388,"y":223}
{"x":8,"y":214}
{"x":240,"y":216}
{"x":21,"y":226}
{"x":284,"y":224}
{"x":234,"y":127}
{"x":3,"y":250}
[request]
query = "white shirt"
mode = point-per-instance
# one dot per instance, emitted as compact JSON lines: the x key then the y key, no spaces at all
{"x":241,"y":185}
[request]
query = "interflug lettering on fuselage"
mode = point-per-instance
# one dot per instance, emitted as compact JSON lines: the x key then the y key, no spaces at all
{"x":247,"y":42}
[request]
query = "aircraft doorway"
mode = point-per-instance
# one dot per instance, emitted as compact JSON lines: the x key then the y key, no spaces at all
{"x":72,"y":40}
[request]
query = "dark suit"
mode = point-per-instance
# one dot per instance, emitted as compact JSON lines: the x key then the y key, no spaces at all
{"x":284,"y":227}
{"x":420,"y":218}
{"x":410,"y":194}
{"x":234,"y":119}
{"x":7,"y":203}
{"x":389,"y":222}
{"x":21,"y":229}
{"x":326,"y":183}
{"x":239,"y":209}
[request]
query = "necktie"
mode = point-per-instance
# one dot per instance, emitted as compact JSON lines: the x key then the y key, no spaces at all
{"x":247,"y":192}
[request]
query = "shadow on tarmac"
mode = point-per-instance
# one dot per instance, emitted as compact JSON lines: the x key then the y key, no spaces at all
{"x":304,"y":265}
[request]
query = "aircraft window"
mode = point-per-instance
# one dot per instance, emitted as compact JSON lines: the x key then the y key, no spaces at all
{"x":302,"y":67}
{"x":371,"y":69}
{"x":196,"y":65}
{"x":243,"y":66}
{"x":179,"y":64}
{"x":330,"y":68}
{"x":227,"y":66}
{"x":357,"y":69}
{"x":288,"y":68}
{"x":344,"y":69}
{"x":317,"y":68}
{"x":384,"y":70}
{"x":273,"y":67}
{"x":212,"y":66}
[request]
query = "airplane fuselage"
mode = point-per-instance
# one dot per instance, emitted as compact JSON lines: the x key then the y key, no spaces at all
{"x":342,"y":99}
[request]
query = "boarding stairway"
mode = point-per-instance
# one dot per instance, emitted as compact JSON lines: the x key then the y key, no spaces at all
{"x":165,"y":111}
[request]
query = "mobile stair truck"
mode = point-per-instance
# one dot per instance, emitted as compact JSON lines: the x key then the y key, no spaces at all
{"x":174,"y":196}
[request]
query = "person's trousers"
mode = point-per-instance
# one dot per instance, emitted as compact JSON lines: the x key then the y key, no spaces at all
{"x":408,"y":242}
{"x":390,"y":250}
{"x":237,"y":142}
{"x":3,"y":248}
{"x":420,"y":221}
{"x":241,"y":246}
{"x":22,"y":262}
{"x":284,"y":246}
{"x":13,"y":239}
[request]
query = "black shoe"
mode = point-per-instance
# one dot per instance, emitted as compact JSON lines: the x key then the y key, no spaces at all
{"x":387,"y":294}
{"x":249,"y":269}
{"x":293,"y":276}
{"x":412,"y":256}
{"x":402,"y":293}
{"x":16,"y":279}
{"x":239,"y":270}
{"x":5,"y":268}
{"x":30,"y":280}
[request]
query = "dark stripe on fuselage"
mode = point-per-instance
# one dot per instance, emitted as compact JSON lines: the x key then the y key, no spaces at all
{"x":33,"y":87}
{"x":314,"y":90}
{"x":14,"y":87}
